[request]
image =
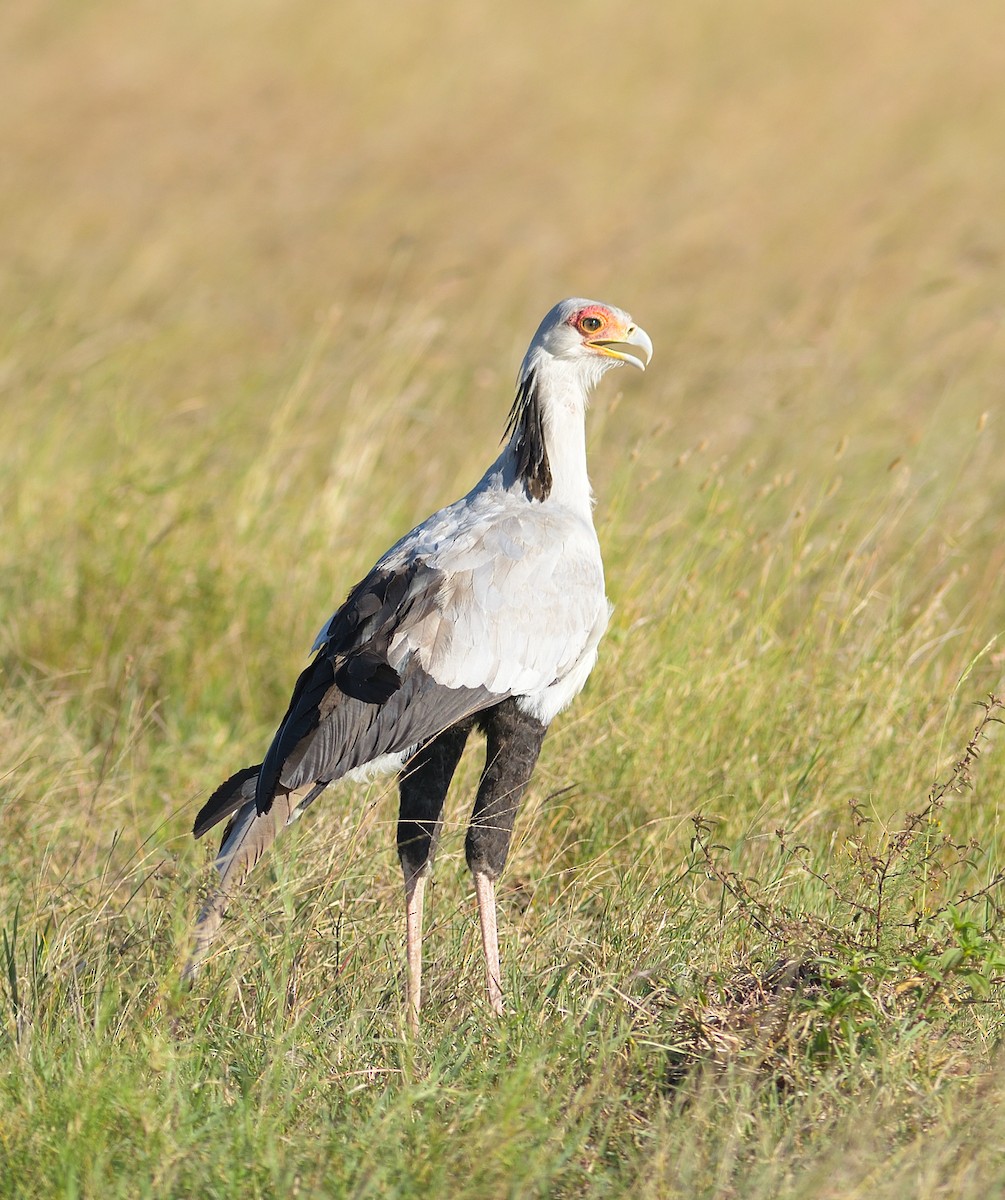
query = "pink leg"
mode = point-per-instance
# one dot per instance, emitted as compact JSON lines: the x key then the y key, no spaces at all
{"x":485,"y":890}
{"x":415,"y":887}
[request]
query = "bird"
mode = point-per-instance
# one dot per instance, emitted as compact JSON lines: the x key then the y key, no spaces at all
{"x":487,"y":616}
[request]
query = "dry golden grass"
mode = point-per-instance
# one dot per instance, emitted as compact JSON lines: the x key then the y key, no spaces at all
{"x":270,"y":269}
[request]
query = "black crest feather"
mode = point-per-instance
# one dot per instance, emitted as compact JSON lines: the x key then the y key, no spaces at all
{"x":526,"y":427}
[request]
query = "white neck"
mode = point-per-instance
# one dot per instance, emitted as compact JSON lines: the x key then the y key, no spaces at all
{"x":562,"y":390}
{"x":565,"y":398}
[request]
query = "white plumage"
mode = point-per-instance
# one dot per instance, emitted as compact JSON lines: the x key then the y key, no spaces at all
{"x":489,"y":613}
{"x":520,"y":593}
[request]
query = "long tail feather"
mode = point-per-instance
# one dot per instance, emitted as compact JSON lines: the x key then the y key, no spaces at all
{"x":245,"y":840}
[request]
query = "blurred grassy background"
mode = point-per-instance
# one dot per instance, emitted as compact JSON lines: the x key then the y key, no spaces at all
{"x":269,"y":272}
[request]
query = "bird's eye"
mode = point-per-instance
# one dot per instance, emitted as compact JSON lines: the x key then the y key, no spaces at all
{"x":590,"y":324}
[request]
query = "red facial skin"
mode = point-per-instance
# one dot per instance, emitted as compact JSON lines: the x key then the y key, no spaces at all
{"x":601,"y":313}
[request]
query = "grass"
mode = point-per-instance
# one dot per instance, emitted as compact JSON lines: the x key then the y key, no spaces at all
{"x":270,"y":272}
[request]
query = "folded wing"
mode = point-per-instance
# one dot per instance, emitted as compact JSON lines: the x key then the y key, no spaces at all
{"x":481,"y":602}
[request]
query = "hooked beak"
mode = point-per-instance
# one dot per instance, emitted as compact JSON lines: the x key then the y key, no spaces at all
{"x":635,"y":347}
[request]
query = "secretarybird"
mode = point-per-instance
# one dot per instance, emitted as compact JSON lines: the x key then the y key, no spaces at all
{"x":487,"y":615}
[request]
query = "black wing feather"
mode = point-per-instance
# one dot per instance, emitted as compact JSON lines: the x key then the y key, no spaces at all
{"x":227,"y":799}
{"x":349,"y":705}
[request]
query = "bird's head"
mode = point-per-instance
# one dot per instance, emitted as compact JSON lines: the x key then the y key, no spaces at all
{"x":590,"y":337}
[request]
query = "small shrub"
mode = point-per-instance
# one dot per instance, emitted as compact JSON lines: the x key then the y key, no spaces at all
{"x":898,"y":948}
